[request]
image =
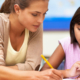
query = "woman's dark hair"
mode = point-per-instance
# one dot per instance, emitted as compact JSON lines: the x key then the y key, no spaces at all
{"x":75,"y":20}
{"x":8,"y":5}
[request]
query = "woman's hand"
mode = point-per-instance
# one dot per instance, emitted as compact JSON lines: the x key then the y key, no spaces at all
{"x":50,"y":74}
{"x":12,"y":74}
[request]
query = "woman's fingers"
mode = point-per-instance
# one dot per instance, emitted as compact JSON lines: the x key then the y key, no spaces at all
{"x":52,"y":74}
{"x":57,"y":74}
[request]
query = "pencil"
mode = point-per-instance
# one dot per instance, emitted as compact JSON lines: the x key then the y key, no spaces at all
{"x":47,"y":61}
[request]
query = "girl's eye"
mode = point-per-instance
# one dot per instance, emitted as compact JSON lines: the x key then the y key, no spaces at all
{"x":34,"y":14}
{"x":79,"y":23}
{"x":78,"y":28}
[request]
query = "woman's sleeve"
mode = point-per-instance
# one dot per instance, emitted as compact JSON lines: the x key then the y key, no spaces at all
{"x":2,"y":61}
{"x":35,"y":48}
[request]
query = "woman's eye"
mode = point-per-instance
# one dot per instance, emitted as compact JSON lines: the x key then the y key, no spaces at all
{"x":34,"y":14}
{"x":44,"y":13}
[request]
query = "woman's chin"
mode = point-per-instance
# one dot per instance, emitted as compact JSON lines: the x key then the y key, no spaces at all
{"x":34,"y":30}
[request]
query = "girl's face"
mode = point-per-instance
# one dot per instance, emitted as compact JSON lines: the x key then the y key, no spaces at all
{"x":77,"y":32}
{"x":33,"y":16}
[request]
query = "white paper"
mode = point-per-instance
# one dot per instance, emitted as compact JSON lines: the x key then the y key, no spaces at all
{"x":69,"y":79}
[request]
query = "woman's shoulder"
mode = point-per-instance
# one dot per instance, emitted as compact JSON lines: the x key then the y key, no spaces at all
{"x":4,"y":17}
{"x":4,"y":22}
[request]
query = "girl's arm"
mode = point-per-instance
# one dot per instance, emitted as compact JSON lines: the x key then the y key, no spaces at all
{"x":56,"y":58}
{"x":72,"y":72}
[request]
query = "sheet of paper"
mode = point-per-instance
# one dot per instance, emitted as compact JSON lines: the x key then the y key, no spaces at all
{"x":69,"y":79}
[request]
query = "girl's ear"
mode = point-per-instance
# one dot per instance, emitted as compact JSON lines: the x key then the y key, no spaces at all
{"x":17,"y":9}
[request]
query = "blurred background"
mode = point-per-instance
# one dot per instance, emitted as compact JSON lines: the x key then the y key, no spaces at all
{"x":56,"y":24}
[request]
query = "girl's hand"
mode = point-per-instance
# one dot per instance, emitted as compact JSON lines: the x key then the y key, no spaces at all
{"x":50,"y":74}
{"x":75,"y":69}
{"x":78,"y":78}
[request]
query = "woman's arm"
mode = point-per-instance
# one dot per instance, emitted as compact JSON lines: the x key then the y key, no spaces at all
{"x":13,"y":67}
{"x":56,"y":58}
{"x":10,"y":74}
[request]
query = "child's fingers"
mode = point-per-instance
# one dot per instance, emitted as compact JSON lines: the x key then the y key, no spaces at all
{"x":78,"y":62}
{"x":77,"y":65}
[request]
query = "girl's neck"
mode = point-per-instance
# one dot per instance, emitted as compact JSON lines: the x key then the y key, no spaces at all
{"x":15,"y":27}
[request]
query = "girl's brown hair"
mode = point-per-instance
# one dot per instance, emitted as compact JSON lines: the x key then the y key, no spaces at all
{"x":8,"y":5}
{"x":75,"y":20}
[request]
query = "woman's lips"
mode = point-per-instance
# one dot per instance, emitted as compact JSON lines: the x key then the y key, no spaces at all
{"x":36,"y":26}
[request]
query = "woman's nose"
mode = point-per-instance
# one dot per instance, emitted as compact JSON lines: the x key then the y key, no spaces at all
{"x":40,"y":20}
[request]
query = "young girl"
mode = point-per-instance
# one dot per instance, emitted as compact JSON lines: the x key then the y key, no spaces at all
{"x":21,"y":40}
{"x":68,"y":49}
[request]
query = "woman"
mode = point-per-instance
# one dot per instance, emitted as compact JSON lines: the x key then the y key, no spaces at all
{"x":21,"y":40}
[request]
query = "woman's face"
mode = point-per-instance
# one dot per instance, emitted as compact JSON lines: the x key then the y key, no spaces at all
{"x":33,"y":16}
{"x":77,"y":33}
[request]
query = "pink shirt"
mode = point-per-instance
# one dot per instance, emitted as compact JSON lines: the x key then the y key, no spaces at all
{"x":72,"y":52}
